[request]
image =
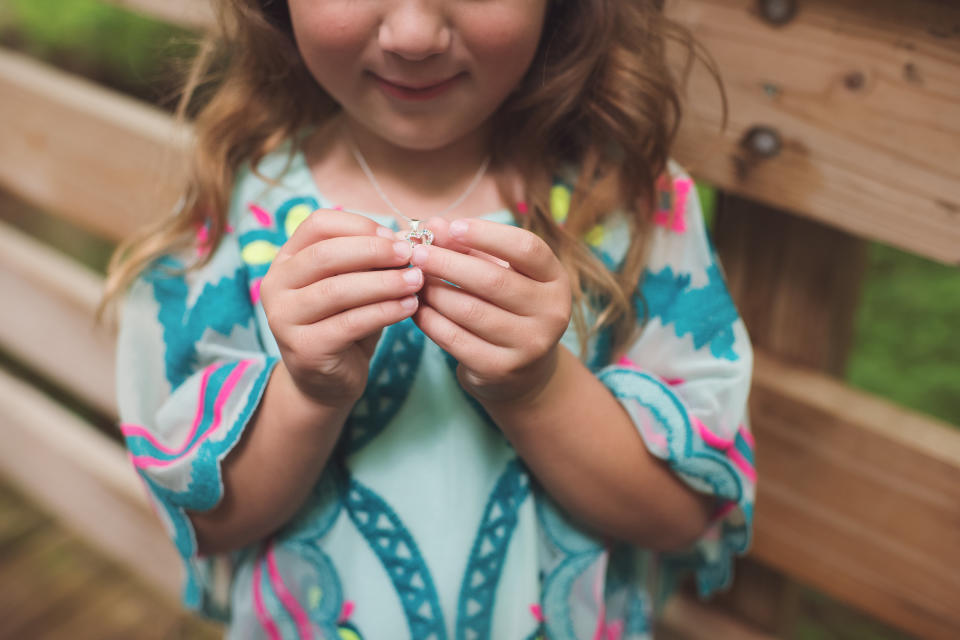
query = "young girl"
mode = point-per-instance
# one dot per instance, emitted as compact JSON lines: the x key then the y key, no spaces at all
{"x":522,"y":419}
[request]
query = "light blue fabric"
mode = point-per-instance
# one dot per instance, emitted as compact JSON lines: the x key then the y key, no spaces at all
{"x":426,"y":524}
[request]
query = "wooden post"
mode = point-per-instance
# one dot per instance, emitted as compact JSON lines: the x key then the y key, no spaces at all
{"x":796,"y":284}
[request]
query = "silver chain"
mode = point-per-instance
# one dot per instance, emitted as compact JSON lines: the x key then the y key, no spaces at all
{"x":413,"y":222}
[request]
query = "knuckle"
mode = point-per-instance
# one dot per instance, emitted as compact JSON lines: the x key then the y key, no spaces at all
{"x":329,"y":289}
{"x":531,"y":246}
{"x":475,"y":311}
{"x":346,"y":322}
{"x":318,"y":253}
{"x":373,"y":246}
{"x":495,"y":280}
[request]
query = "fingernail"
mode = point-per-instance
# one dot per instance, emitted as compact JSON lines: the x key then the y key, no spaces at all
{"x":458,"y":227}
{"x":413,"y":276}
{"x":420,"y":254}
{"x":383,"y":232}
{"x":409,"y":304}
{"x":402,"y":249}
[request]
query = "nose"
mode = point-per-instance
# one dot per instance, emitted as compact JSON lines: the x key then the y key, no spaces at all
{"x":415,"y":29}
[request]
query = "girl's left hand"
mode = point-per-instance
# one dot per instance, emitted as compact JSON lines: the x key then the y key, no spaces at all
{"x":498,"y":300}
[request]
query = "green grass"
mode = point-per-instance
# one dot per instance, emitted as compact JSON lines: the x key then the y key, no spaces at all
{"x":116,"y":47}
{"x":906,"y":345}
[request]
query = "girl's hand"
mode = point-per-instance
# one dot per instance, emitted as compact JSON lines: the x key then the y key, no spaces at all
{"x":330,"y":291}
{"x":507,"y":311}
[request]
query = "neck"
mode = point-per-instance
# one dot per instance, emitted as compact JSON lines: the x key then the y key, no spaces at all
{"x":437,"y":172}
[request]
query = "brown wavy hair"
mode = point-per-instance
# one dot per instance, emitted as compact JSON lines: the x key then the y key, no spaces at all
{"x":600,"y":96}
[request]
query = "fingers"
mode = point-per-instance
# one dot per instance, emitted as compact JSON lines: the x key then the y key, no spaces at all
{"x":323,"y":224}
{"x":503,"y":287}
{"x":338,"y":293}
{"x":460,"y":343}
{"x":340,"y":331}
{"x":526,"y":252}
{"x":341,"y":255}
{"x":486,"y":321}
{"x":441,"y":233}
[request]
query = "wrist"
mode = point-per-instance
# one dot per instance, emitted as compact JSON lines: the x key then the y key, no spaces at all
{"x":294,"y":398}
{"x":537,"y":381}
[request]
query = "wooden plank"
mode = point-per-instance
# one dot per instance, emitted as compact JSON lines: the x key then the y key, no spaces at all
{"x":858,"y":498}
{"x":878,"y":159}
{"x":865,"y":98}
{"x":796,"y":283}
{"x":51,"y":328}
{"x":99,"y":159}
{"x":70,"y":469}
{"x":685,"y":618}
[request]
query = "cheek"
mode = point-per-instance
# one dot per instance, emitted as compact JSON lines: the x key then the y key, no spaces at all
{"x":327,"y":30}
{"x":506,"y":40}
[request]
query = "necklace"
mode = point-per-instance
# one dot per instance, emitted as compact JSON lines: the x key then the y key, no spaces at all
{"x":417,"y":231}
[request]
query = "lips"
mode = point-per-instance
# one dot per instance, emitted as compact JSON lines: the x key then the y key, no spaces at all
{"x":416,"y":90}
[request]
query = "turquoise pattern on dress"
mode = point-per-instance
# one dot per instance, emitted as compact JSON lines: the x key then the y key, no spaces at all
{"x":489,"y":551}
{"x":392,"y":373}
{"x":205,"y":488}
{"x":687,"y":452}
{"x":706,"y":313}
{"x":276,"y":235}
{"x":557,"y":587}
{"x":396,"y":549}
{"x":220,"y":307}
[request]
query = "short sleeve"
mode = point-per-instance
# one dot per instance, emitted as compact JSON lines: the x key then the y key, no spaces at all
{"x":685,"y":380}
{"x":190,"y":372}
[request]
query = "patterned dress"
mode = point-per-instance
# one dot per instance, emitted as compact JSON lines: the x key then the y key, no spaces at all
{"x":426,"y":524}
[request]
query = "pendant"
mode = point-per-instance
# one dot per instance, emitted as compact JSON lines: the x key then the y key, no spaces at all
{"x":418,"y":232}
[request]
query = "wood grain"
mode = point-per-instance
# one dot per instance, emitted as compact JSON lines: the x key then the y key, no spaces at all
{"x":72,"y":470}
{"x":51,"y":326}
{"x":92,"y":156}
{"x":865,"y":97}
{"x":858,"y":497}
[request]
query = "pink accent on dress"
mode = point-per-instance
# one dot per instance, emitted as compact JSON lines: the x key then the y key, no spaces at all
{"x":266,"y":621}
{"x":263,"y":218}
{"x":287,"y":599}
{"x":186,"y":448}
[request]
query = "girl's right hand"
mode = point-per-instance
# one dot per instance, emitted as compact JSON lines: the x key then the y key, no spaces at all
{"x":332,"y":288}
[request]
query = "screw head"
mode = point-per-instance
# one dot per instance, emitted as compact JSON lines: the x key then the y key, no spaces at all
{"x":777,"y":12}
{"x":762,"y":141}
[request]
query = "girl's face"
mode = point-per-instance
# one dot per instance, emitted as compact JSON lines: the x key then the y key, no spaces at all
{"x":421,"y":74}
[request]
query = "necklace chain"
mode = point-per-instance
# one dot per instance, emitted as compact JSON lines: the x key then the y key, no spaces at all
{"x":413,"y":222}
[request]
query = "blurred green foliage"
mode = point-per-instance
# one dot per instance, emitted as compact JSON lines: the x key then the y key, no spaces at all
{"x":114,"y":46}
{"x":906,"y":346}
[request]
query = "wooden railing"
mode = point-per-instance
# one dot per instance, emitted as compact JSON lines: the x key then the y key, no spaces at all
{"x":859,"y":108}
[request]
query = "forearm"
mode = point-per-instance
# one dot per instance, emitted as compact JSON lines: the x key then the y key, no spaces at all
{"x":582,"y":446}
{"x":271,"y":471}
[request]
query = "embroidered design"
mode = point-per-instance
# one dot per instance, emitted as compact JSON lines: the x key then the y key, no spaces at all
{"x":392,"y":372}
{"x":559,"y":202}
{"x":220,"y":307}
{"x":147,"y":451}
{"x":671,"y":212}
{"x":400,"y":556}
{"x":707,"y":313}
{"x":259,"y":247}
{"x":595,"y":236}
{"x":557,"y":589}
{"x":205,"y":487}
{"x":668,"y":431}
{"x":477,"y":590}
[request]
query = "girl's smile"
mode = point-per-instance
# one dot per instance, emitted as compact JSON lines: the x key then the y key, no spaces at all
{"x":417,"y":91}
{"x":418,"y":74}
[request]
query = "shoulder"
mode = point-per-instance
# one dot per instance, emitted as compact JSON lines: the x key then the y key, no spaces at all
{"x":677,"y":236}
